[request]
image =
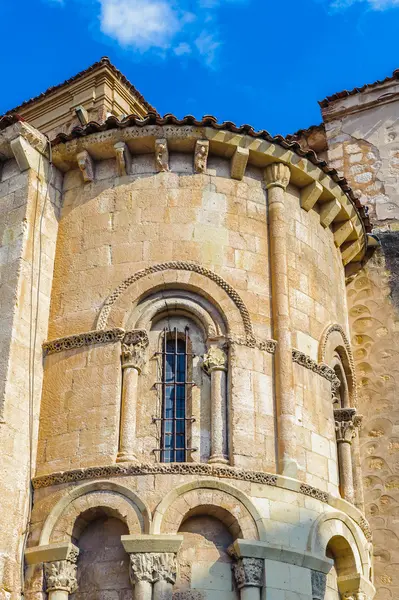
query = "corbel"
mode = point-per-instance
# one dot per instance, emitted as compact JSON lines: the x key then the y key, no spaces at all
{"x":239,"y":162}
{"x":328,"y":211}
{"x":201,"y":156}
{"x":310,"y":195}
{"x":350,"y":250}
{"x":341,"y":232}
{"x":123,"y":159}
{"x":161,"y":155}
{"x":26,"y":156}
{"x":86,"y":165}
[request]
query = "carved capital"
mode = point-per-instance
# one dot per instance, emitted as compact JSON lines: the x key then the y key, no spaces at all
{"x":61,"y":574}
{"x":86,"y":165}
{"x":319,"y":584}
{"x":248,"y":572}
{"x":161,"y":155}
{"x":277,"y":175}
{"x":355,"y":596}
{"x":345,"y":428}
{"x":201,"y":156}
{"x":214,"y":359}
{"x":165,"y":566}
{"x":134,"y":346}
{"x":141,"y":567}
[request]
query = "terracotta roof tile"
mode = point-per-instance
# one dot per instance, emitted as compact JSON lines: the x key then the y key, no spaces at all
{"x":209,"y":121}
{"x":358,"y":90}
{"x":8,"y":120}
{"x":97,"y":65}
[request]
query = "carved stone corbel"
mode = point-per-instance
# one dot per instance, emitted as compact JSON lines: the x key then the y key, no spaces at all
{"x":201,"y":156}
{"x":161,"y":155}
{"x":86,"y":165}
{"x":239,"y":163}
{"x":123,"y":159}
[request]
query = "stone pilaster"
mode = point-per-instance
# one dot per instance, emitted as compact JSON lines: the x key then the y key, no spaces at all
{"x":215,"y":364}
{"x":277,"y":177}
{"x":134,"y":345}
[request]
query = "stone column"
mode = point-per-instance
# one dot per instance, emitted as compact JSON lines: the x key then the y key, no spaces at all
{"x":277,"y":176}
{"x":248,"y":574}
{"x":60,"y":577}
{"x":134,"y":346}
{"x":319,"y":585}
{"x":357,"y":469}
{"x":345,"y":431}
{"x":215,"y":364}
{"x":142,"y":575}
{"x":165,"y":569}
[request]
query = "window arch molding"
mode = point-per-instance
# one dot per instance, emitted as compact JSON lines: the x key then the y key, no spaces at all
{"x":180,"y":303}
{"x":334,"y":344}
{"x":184,"y":275}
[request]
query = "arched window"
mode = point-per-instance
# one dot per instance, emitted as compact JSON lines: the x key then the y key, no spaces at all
{"x":176,"y":388}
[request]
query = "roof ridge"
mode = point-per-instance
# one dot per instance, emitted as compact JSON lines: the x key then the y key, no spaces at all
{"x":357,"y":90}
{"x":103,"y":61}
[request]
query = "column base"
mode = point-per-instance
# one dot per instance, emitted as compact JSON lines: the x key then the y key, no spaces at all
{"x":218,"y":459}
{"x":125,"y":457}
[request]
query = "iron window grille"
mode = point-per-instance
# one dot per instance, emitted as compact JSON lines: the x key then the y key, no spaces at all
{"x":176,"y":388}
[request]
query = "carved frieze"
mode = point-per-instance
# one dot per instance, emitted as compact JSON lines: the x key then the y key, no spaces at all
{"x":248,"y":572}
{"x":88,"y":338}
{"x":134,"y":345}
{"x":320,"y":368}
{"x":308,"y":490}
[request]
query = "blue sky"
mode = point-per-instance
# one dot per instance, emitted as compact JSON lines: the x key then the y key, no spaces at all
{"x":262,"y":62}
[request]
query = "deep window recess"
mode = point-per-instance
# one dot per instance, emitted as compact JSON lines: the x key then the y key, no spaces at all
{"x":175,"y":392}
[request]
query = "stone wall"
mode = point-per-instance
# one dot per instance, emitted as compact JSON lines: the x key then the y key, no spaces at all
{"x":363,"y":138}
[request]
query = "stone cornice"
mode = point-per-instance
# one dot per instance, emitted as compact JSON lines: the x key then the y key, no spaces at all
{"x":35,"y":139}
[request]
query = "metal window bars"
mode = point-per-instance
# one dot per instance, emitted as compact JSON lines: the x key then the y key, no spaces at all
{"x":175,"y":384}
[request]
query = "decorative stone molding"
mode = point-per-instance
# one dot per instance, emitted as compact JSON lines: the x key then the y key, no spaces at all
{"x":214,"y":359}
{"x":79,"y":340}
{"x":308,"y":490}
{"x":123,"y":159}
{"x":248,"y":572}
{"x":365,"y":527}
{"x":224,"y":472}
{"x":319,"y":584}
{"x":161,"y":154}
{"x":277,"y":175}
{"x":179,"y":266}
{"x":61,"y":575}
{"x":348,"y":348}
{"x":239,"y":163}
{"x":201,"y":155}
{"x":134,"y":345}
{"x":86,"y":165}
{"x":320,"y":368}
{"x":265,"y":345}
{"x":345,"y":428}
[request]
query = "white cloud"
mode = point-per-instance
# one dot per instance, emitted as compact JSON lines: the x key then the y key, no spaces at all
{"x":142,"y":24}
{"x":207,"y":46}
{"x":182,"y":49}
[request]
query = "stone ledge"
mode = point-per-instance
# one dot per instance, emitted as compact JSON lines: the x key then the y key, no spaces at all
{"x":50,"y":553}
{"x":300,"y":558}
{"x":151,"y":543}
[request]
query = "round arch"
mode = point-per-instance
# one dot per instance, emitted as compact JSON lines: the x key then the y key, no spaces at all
{"x":336,"y":525}
{"x":334,"y":341}
{"x":187,"y":275}
{"x":109,"y":497}
{"x":229,"y":505}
